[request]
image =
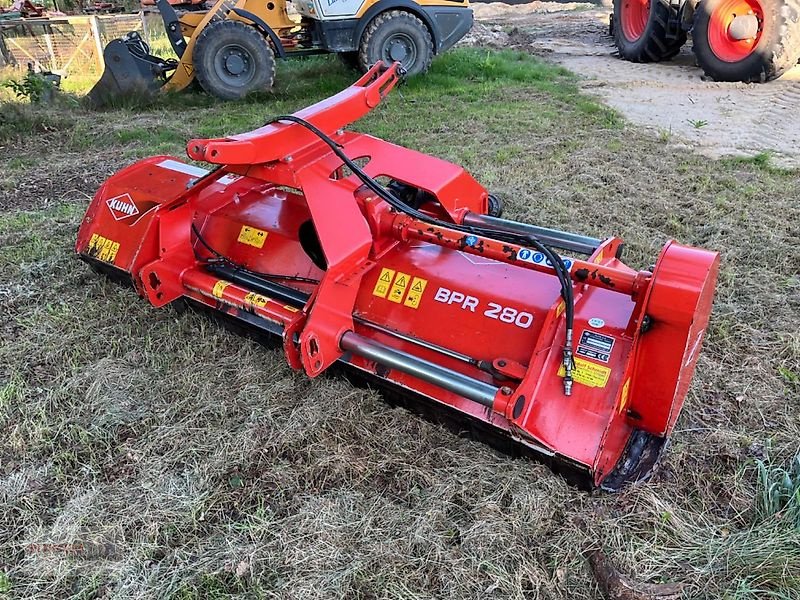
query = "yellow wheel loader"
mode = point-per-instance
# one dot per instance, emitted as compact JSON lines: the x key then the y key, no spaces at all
{"x":231,"y":49}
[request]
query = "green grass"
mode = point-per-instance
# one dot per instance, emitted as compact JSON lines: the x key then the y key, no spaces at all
{"x":215,"y":471}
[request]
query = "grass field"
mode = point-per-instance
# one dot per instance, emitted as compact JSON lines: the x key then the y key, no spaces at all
{"x":146,"y":453}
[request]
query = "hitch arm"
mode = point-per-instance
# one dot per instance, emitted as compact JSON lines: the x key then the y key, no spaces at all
{"x":278,"y":140}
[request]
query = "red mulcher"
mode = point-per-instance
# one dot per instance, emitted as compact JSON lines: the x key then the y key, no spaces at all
{"x":357,"y":251}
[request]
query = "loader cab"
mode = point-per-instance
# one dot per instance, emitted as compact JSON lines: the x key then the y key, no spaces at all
{"x":364,"y":32}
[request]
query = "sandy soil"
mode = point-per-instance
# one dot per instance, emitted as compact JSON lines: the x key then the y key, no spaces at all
{"x":671,"y":99}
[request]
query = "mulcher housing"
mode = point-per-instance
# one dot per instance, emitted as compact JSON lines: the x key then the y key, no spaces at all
{"x":287,"y":238}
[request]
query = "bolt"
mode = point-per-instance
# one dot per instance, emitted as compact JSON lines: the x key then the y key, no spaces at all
{"x":501,"y":363}
{"x":505,"y":390}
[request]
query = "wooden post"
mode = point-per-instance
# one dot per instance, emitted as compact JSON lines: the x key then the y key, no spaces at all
{"x":48,"y":40}
{"x":98,"y":42}
{"x":144,"y":26}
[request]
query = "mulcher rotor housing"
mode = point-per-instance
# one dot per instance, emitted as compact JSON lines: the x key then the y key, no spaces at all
{"x":357,"y":251}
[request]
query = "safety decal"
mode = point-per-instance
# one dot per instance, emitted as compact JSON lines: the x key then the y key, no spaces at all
{"x":102,"y":248}
{"x":595,"y":346}
{"x":253,"y":299}
{"x":383,"y":283}
{"x":537,"y":258}
{"x":599,"y":258}
{"x":588,"y":373}
{"x":291,"y":308}
{"x":399,"y":287}
{"x":189,"y":68}
{"x":396,"y":286}
{"x":415,"y":293}
{"x":252,"y":236}
{"x":623,"y":399}
{"x":218,"y":288}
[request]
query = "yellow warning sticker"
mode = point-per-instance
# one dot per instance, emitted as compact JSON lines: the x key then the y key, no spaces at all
{"x":254,"y":299}
{"x":415,"y":293}
{"x":219,"y":287}
{"x":252,"y":236}
{"x":102,"y":248}
{"x":399,"y":287}
{"x":599,"y":258}
{"x":383,"y":283}
{"x":588,"y":373}
{"x":189,"y":68}
{"x":560,"y":308}
{"x":291,"y":308}
{"x":623,"y":399}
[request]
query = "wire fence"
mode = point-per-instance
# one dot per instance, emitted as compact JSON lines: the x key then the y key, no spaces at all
{"x":71,"y":45}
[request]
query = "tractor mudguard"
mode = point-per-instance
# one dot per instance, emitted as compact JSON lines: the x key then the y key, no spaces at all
{"x":579,"y":359}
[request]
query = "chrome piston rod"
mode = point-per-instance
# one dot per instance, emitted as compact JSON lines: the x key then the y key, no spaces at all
{"x":452,"y":381}
{"x":552,"y":237}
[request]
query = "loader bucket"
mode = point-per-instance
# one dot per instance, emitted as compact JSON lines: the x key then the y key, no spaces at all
{"x":130,"y":72}
{"x":542,"y":338}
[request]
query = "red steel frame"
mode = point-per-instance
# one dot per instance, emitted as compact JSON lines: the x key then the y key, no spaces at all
{"x":481,"y":303}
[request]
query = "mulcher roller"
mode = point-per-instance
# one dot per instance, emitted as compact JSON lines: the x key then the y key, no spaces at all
{"x":356,"y":251}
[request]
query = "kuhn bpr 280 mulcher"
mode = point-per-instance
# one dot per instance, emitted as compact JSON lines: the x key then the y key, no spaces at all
{"x":357,"y":251}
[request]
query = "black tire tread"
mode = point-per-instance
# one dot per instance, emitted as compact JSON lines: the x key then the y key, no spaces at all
{"x":656,"y":44}
{"x":384,"y":19}
{"x":237,"y":28}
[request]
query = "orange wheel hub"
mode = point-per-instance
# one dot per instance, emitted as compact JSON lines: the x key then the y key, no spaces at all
{"x":725,"y":46}
{"x":633,"y":17}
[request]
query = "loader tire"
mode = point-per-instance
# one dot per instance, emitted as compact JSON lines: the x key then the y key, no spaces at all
{"x":774,"y":50}
{"x":646,"y":30}
{"x":232,"y":59}
{"x":396,"y":35}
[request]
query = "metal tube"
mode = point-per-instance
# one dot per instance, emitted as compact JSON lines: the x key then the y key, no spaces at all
{"x":283,"y":293}
{"x":463,"y":385}
{"x":422,"y":343}
{"x":552,"y":237}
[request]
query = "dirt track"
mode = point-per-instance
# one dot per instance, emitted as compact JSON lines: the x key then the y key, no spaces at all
{"x":671,"y":99}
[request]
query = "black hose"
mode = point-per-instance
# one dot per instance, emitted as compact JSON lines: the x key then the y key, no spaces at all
{"x":562,"y":273}
{"x":236,"y":266}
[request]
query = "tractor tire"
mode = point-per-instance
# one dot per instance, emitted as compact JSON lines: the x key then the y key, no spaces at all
{"x":641,"y":30}
{"x":396,"y":36}
{"x":232,"y":59}
{"x":774,"y":50}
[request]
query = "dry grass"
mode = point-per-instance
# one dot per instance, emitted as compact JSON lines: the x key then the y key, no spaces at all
{"x":146,"y":453}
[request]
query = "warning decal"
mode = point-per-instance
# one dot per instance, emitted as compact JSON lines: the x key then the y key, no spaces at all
{"x":253,"y":299}
{"x":415,"y":293}
{"x":102,"y":248}
{"x":252,"y":236}
{"x":396,"y":285}
{"x":588,"y":373}
{"x":219,"y":287}
{"x":623,"y":400}
{"x":399,"y":288}
{"x":595,"y":346}
{"x":383,"y":283}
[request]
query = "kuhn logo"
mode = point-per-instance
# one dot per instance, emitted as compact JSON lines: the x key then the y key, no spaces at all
{"x":122,"y":207}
